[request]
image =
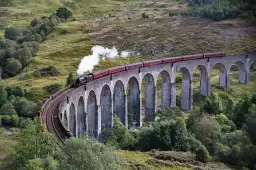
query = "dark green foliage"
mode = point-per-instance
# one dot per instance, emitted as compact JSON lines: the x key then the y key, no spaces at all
{"x":13,"y":66}
{"x":70,"y":79}
{"x":223,"y":9}
{"x":33,"y":142}
{"x":165,"y":135}
{"x":3,"y":95}
{"x":226,"y":124}
{"x":208,"y":131}
{"x":53,"y":88}
{"x":250,"y":123}
{"x":63,"y":13}
{"x":20,"y":45}
{"x":7,"y":109}
{"x":242,"y":109}
{"x":170,"y":113}
{"x":202,"y":154}
{"x":13,"y":33}
{"x":5,"y":2}
{"x":213,"y":104}
{"x":45,"y":72}
{"x":144,"y":15}
{"x":15,"y":90}
{"x":193,"y":117}
{"x":118,"y":136}
{"x":26,"y":108}
{"x":84,"y":153}
{"x":229,"y":108}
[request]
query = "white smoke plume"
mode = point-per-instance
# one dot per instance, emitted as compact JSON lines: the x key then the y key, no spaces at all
{"x":88,"y":62}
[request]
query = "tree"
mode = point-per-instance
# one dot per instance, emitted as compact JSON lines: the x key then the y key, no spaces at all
{"x":33,"y":142}
{"x":202,"y":154}
{"x":85,"y":153}
{"x":13,"y":33}
{"x":226,"y":124}
{"x":13,"y":66}
{"x":229,"y":109}
{"x":25,"y":108}
{"x":7,"y":109}
{"x":63,"y":13}
{"x":213,"y":104}
{"x":16,"y":90}
{"x":70,"y":79}
{"x":208,"y":131}
{"x":118,"y":136}
{"x":250,"y":123}
{"x":3,"y":95}
{"x":181,"y":135}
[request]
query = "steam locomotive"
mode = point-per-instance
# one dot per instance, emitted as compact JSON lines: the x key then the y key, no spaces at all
{"x":82,"y":80}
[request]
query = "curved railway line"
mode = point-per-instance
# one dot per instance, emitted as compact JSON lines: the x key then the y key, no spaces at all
{"x":50,"y":115}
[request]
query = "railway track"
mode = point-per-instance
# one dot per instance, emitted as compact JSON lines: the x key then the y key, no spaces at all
{"x":50,"y":115}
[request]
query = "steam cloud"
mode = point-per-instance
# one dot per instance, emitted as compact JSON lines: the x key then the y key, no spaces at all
{"x":88,"y":62}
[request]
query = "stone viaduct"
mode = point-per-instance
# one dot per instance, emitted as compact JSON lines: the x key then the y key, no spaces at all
{"x":90,"y":108}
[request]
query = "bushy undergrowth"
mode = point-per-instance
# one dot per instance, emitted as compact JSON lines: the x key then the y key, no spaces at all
{"x":222,"y":9}
{"x":21,"y":44}
{"x":14,"y":107}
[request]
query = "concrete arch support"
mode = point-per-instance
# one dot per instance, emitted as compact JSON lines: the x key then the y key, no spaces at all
{"x":106,"y":108}
{"x":134,"y":107}
{"x":81,"y":118}
{"x":204,"y":81}
{"x":119,"y":105}
{"x":165,"y":90}
{"x":186,"y":90}
{"x":72,"y":120}
{"x":243,"y":75}
{"x":92,"y":111}
{"x":150,"y":93}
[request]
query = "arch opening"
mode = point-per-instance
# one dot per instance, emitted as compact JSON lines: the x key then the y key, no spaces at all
{"x":252,"y":72}
{"x":201,"y":83}
{"x":65,"y":119}
{"x":133,"y":97}
{"x":72,"y":120}
{"x":119,"y":101}
{"x":149,"y":91}
{"x":81,"y":121}
{"x":219,"y":76}
{"x":92,"y":111}
{"x":184,"y":89}
{"x":106,"y":108}
{"x":238,"y":74}
{"x":163,"y":90}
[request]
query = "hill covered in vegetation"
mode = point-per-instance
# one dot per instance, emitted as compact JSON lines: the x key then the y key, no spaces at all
{"x":155,"y":29}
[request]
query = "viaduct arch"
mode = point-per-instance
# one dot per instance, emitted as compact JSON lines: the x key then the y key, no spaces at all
{"x":90,"y":108}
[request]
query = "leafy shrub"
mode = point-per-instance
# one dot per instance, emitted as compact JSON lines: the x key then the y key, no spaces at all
{"x":86,"y":154}
{"x":45,"y":72}
{"x":33,"y":142}
{"x":63,"y":13}
{"x":222,"y":9}
{"x":53,"y":88}
{"x":213,"y":104}
{"x":144,"y":15}
{"x":13,"y":66}
{"x":118,"y":136}
{"x":202,"y":154}
{"x":208,"y":131}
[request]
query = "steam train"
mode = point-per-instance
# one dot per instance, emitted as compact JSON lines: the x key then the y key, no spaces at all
{"x":82,"y":80}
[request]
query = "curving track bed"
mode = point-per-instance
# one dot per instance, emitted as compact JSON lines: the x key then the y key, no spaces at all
{"x":50,"y":115}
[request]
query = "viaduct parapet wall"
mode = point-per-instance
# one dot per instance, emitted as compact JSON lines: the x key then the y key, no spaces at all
{"x":90,"y":108}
